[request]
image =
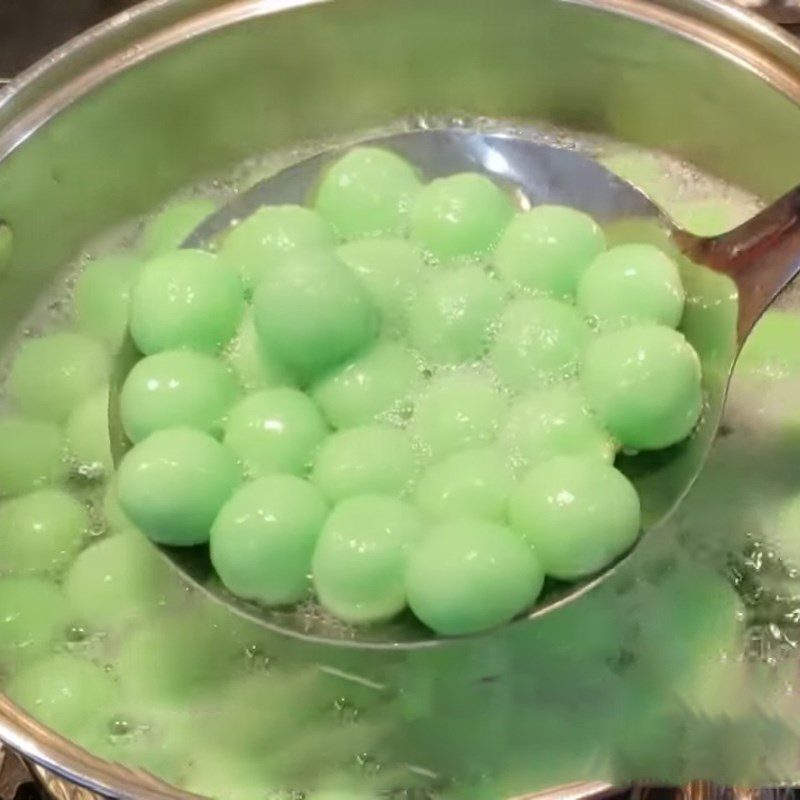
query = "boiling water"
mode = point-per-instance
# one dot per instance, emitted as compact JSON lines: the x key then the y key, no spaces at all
{"x":683,"y":666}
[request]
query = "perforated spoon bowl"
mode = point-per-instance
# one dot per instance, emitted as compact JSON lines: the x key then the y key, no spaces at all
{"x":730,"y":279}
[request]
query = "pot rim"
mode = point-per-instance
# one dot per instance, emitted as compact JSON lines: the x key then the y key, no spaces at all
{"x":28,"y":101}
{"x":58,"y":80}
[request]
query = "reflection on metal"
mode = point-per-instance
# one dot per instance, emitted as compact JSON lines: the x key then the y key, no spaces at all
{"x":575,"y":791}
{"x":704,"y":790}
{"x":59,"y":789}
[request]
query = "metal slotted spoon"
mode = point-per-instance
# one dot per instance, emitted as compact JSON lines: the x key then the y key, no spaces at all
{"x":743,"y":272}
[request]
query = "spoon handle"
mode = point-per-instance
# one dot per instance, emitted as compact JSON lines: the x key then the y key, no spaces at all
{"x":762,"y":256}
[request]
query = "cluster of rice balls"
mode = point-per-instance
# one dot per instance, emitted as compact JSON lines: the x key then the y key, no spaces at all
{"x":406,"y":395}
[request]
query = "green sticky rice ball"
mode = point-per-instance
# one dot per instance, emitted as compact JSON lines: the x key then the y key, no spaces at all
{"x":555,"y":421}
{"x":175,"y":659}
{"x":102,"y":297}
{"x":457,"y":410}
{"x":33,"y":617}
{"x":114,"y":517}
{"x":644,"y":384}
{"x":170,"y":228}
{"x":255,"y":368}
{"x":696,"y":609}
{"x":451,"y":320}
{"x":311,"y":312}
{"x":185,"y":299}
{"x":578,"y":514}
{"x":87,"y":435}
{"x":539,"y":341}
{"x":367,"y":192}
{"x":224,"y":775}
{"x":277,"y":430}
{"x":548,"y":249}
{"x":360,"y":559}
{"x":371,"y":459}
{"x":376,"y":382}
{"x":31,"y":455}
{"x":118,"y":580}
{"x":63,"y":692}
{"x":264,"y":239}
{"x":264,"y":536}
{"x":470,"y":576}
{"x":461,"y":215}
{"x":474,"y":484}
{"x":176,"y":388}
{"x":41,"y":531}
{"x":390,"y":270}
{"x":51,"y":375}
{"x":632,"y":284}
{"x":173,"y":484}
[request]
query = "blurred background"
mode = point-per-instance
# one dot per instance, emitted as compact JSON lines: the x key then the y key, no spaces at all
{"x":31,"y":28}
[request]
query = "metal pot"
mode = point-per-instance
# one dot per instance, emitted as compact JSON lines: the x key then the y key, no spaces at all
{"x":177,"y":89}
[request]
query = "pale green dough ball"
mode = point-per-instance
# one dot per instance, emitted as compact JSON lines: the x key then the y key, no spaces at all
{"x":547,"y":250}
{"x":170,"y":228}
{"x":185,"y":299}
{"x":176,"y":389}
{"x":114,"y":516}
{"x":545,"y":423}
{"x":253,"y":365}
{"x":297,"y":694}
{"x":451,"y":320}
{"x":311,"y":312}
{"x":32,"y":618}
{"x":471,"y":576}
{"x":173,"y":484}
{"x":695,"y":608}
{"x":264,"y":536}
{"x":224,"y":775}
{"x":376,"y":382}
{"x":118,"y":580}
{"x":578,"y":514}
{"x":457,"y":410}
{"x":51,"y":375}
{"x":644,"y":384}
{"x":87,"y":437}
{"x":632,"y":284}
{"x":277,"y":430}
{"x":462,"y":215}
{"x":367,"y":192}
{"x":373,"y":459}
{"x":390,"y":270}
{"x":360,"y":559}
{"x":538,"y":341}
{"x":102,"y":296}
{"x":31,"y":455}
{"x":41,"y":531}
{"x":64,"y":692}
{"x":175,"y":659}
{"x":470,"y":484}
{"x":264,"y":239}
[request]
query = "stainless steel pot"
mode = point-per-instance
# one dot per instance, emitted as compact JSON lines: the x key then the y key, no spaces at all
{"x":177,"y":89}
